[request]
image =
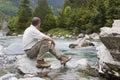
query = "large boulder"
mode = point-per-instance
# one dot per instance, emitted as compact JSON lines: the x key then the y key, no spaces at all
{"x":110,"y":37}
{"x":14,"y":49}
{"x":103,"y":56}
{"x":28,"y":66}
{"x":81,"y":42}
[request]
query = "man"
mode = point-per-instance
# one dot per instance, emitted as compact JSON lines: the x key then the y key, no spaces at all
{"x":36,"y":44}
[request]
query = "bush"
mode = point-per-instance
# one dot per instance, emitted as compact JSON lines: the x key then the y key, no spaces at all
{"x":59,"y":31}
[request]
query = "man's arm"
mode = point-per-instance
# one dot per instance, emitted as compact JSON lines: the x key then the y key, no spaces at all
{"x":49,"y":39}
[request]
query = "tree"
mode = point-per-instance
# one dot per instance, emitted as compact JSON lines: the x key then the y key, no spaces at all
{"x":65,"y":17}
{"x":24,"y":16}
{"x":22,"y":20}
{"x":88,"y":16}
{"x":49,"y":22}
{"x":44,"y":12}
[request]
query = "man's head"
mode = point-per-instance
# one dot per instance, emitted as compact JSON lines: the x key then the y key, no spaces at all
{"x":36,"y":21}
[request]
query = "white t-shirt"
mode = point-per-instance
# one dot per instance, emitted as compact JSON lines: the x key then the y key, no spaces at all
{"x":31,"y":36}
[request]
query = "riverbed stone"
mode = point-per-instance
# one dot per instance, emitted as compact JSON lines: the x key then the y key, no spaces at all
{"x":14,"y":49}
{"x":94,"y":36}
{"x":1,"y":48}
{"x":34,"y":78}
{"x":81,"y":35}
{"x":26,"y":65}
{"x":81,"y":42}
{"x":7,"y":76}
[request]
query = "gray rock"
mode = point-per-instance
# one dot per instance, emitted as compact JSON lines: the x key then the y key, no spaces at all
{"x":81,"y":42}
{"x":104,"y":56}
{"x":105,"y":31}
{"x":28,"y":66}
{"x":1,"y":48}
{"x":80,"y":35}
{"x":7,"y":62}
{"x":13,"y":78}
{"x":94,"y":36}
{"x":7,"y":76}
{"x":4,"y":30}
{"x":109,"y":56}
{"x":82,"y":64}
{"x":87,"y":37}
{"x":14,"y":49}
{"x":34,"y":78}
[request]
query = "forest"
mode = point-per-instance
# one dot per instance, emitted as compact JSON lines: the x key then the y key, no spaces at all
{"x":74,"y":17}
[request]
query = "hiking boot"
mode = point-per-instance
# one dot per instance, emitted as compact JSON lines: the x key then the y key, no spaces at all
{"x":64,"y":59}
{"x":42,"y":64}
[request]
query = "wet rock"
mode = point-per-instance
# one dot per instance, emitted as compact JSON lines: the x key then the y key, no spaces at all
{"x":5,"y":30}
{"x":82,"y":64}
{"x":62,"y":37}
{"x":26,"y":65}
{"x":14,"y":49}
{"x":7,"y":76}
{"x":104,"y":31}
{"x":87,"y":37}
{"x":29,"y":75}
{"x":6,"y":60}
{"x":34,"y":78}
{"x":81,"y":42}
{"x":68,"y":36}
{"x":94,"y":36}
{"x":111,"y":39}
{"x":1,"y":53}
{"x":13,"y":78}
{"x":1,"y":48}
{"x":80,"y":35}
{"x":104,"y":56}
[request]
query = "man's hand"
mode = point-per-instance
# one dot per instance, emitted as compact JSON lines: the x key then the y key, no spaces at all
{"x":53,"y":43}
{"x":50,"y":39}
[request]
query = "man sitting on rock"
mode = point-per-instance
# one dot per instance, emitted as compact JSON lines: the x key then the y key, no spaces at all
{"x":36,"y":44}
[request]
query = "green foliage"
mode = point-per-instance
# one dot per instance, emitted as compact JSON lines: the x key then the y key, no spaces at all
{"x":88,"y":16}
{"x":8,"y":8}
{"x":59,"y":31}
{"x":44,"y":12}
{"x":13,"y":24}
{"x":76,"y":16}
{"x":19,"y":23}
{"x":49,"y":22}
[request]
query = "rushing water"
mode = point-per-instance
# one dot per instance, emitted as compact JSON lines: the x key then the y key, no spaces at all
{"x":86,"y":55}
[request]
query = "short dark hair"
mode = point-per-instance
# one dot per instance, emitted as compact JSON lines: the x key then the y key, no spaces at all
{"x":36,"y":21}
